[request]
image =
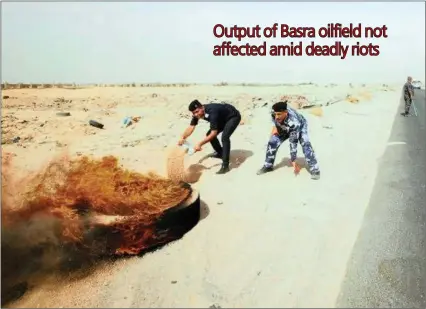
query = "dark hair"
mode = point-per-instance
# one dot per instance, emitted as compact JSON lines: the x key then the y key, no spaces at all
{"x":280,"y":107}
{"x":194,"y":105}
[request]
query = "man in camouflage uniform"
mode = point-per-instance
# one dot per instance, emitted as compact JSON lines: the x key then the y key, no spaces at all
{"x":408,"y":92}
{"x":289,"y":124}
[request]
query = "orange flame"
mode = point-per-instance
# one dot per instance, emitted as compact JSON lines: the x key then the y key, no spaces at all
{"x":78,"y":191}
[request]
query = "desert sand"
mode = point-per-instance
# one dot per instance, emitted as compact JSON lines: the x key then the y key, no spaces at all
{"x":273,"y":240}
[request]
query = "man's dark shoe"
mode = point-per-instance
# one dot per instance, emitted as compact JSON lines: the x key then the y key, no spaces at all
{"x":216,"y":155}
{"x":404,"y":114}
{"x":264,"y":170}
{"x":223,"y":170}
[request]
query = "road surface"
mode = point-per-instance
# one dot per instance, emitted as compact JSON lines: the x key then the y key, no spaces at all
{"x":388,"y":263}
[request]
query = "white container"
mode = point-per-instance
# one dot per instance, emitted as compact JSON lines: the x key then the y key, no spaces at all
{"x":189,"y":148}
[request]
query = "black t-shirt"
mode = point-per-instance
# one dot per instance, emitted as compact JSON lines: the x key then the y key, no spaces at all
{"x":217,"y":114}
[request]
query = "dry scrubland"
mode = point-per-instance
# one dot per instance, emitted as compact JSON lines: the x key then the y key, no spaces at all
{"x":302,"y":238}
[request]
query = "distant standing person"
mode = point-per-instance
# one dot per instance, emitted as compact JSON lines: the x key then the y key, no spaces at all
{"x":224,"y":118}
{"x":289,"y":124}
{"x":408,"y":91}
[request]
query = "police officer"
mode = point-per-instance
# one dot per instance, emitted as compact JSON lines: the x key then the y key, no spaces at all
{"x":224,"y":118}
{"x":289,"y":124}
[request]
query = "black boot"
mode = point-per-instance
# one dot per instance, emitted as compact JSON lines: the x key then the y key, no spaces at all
{"x":405,"y":114}
{"x":264,"y":170}
{"x":223,"y":170}
{"x":315,"y":175}
{"x":216,"y":155}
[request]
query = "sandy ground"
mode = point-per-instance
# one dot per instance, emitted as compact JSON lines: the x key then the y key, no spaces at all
{"x":272,"y":240}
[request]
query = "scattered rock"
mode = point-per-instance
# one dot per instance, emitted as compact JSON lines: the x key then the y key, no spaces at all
{"x":220,"y":203}
{"x":59,"y":144}
{"x":352,"y":99}
{"x":256,"y":99}
{"x":131,"y":143}
{"x":174,"y":282}
{"x":62,"y":100}
{"x":184,"y":115}
{"x":5,"y":97}
{"x":151,"y":137}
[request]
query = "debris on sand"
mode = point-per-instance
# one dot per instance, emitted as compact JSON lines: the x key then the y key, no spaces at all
{"x":296,"y":101}
{"x":352,"y":99}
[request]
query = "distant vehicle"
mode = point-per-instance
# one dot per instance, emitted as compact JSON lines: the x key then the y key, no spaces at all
{"x":417,"y":84}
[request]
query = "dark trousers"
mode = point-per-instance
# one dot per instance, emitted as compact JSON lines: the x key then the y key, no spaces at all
{"x":408,"y":102}
{"x":226,"y":131}
{"x":276,"y":141}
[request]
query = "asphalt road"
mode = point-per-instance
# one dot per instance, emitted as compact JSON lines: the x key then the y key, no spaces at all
{"x":388,"y":263}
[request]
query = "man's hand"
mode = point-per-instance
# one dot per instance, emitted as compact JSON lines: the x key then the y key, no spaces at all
{"x":198,"y":147}
{"x":274,"y":131}
{"x":296,"y":168}
{"x":181,"y":141}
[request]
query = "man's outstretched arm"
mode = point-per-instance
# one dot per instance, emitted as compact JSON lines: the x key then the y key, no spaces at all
{"x":188,"y":131}
{"x":213,"y":130}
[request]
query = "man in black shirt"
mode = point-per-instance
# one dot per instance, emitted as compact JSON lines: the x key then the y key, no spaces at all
{"x":408,"y":91}
{"x":224,"y":118}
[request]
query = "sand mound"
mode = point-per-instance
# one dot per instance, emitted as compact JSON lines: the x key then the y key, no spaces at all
{"x":316,"y":111}
{"x":296,"y":101}
{"x":362,"y":96}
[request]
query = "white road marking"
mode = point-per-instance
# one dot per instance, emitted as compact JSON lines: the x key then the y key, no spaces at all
{"x":396,"y":143}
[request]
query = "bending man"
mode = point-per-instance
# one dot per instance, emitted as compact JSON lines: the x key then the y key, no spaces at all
{"x":224,"y":118}
{"x":289,"y":124}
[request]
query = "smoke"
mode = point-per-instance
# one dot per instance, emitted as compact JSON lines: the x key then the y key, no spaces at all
{"x":73,"y":212}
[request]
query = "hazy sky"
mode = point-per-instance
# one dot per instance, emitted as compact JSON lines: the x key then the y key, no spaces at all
{"x":104,"y":42}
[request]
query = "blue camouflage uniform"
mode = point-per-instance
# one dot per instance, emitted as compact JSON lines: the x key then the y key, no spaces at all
{"x":295,"y":129}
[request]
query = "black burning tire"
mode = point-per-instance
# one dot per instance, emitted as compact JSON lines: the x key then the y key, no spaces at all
{"x":96,"y":124}
{"x":99,"y":242}
{"x":182,"y":218}
{"x":171,"y":225}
